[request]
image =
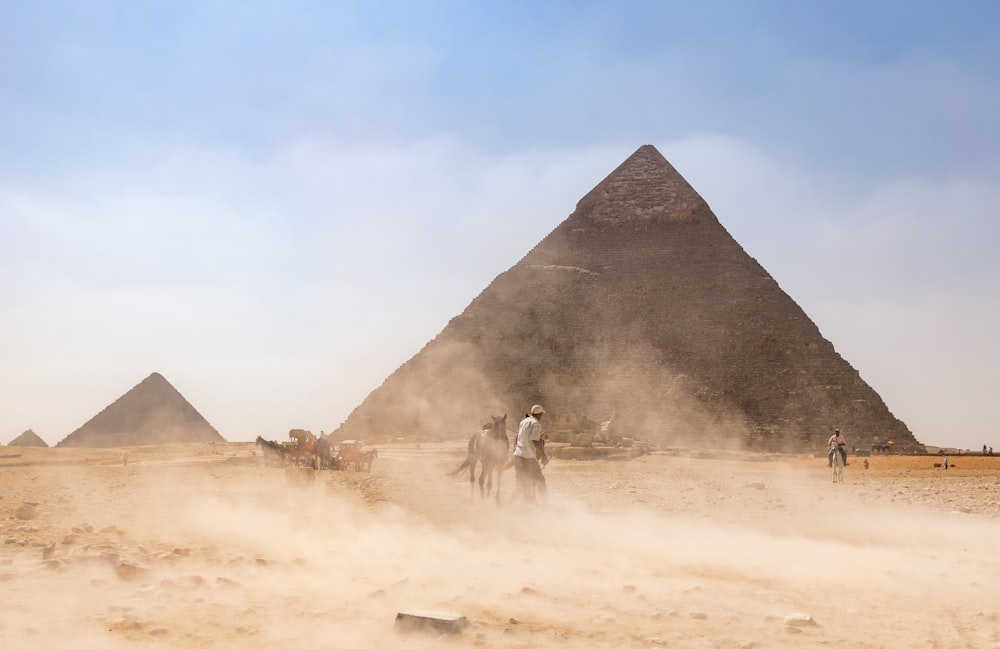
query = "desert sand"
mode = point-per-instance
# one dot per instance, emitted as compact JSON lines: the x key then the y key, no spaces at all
{"x":204,"y":546}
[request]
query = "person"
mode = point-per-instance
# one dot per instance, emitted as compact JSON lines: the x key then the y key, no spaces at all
{"x":529,"y":451}
{"x":866,"y":464}
{"x":837,"y":442}
{"x":946,"y":462}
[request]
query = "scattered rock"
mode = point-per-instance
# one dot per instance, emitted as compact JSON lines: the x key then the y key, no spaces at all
{"x":433,"y":621}
{"x":130,"y":571}
{"x":25,"y":512}
{"x":799,"y":620}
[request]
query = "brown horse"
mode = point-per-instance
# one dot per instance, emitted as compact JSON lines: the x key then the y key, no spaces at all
{"x":273,"y":451}
{"x":489,"y":449}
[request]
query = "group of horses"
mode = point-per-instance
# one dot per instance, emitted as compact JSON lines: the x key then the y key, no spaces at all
{"x":319,"y":453}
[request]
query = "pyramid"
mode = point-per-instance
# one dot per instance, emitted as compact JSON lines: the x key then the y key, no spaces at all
{"x":28,"y":438}
{"x":151,"y":413}
{"x":639,"y":314}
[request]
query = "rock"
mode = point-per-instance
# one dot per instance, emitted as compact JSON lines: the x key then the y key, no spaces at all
{"x":25,"y":512}
{"x":799,"y":620}
{"x":434,"y":621}
{"x":129,"y":571}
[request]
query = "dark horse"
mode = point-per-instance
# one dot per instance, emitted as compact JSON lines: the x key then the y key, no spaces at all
{"x":271,"y":450}
{"x":488,"y":448}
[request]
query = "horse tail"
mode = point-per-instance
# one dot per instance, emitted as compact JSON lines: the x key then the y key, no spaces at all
{"x":461,"y":467}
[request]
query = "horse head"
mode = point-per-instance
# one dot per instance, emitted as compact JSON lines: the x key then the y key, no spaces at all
{"x":500,"y":427}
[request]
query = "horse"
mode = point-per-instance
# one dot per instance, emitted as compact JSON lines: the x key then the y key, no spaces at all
{"x":271,"y":450}
{"x":489,"y":449}
{"x":364,"y":461}
{"x":325,"y":456}
{"x":838,"y":465}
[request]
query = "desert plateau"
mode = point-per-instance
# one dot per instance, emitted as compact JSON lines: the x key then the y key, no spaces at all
{"x":202,"y":545}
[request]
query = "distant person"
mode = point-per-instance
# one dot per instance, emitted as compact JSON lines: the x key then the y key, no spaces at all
{"x":529,"y":451}
{"x":836,"y":442}
{"x":946,"y":463}
{"x":984,"y":449}
{"x":866,"y":464}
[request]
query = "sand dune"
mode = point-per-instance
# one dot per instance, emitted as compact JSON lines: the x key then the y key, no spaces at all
{"x":201,"y":545}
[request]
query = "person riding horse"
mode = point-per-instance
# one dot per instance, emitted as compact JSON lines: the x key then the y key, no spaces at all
{"x":838,"y":443}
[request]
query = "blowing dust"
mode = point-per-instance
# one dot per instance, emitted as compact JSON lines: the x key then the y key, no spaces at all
{"x":661,"y":550}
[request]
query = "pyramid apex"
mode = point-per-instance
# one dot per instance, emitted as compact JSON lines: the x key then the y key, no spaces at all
{"x":645,"y":187}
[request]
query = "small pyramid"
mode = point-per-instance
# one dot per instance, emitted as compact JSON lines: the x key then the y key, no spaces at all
{"x":151,"y":413}
{"x":28,"y":438}
{"x":641,"y":313}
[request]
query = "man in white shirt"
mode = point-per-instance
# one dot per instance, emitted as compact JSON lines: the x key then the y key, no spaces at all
{"x":837,"y":442}
{"x":529,"y":450}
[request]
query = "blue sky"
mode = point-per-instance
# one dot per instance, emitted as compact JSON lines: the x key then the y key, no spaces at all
{"x":276,"y":204}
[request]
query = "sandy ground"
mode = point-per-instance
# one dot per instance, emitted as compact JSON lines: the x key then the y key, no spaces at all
{"x":203,"y":546}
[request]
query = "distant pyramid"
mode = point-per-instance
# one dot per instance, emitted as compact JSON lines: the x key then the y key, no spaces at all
{"x":151,"y":413}
{"x":28,"y":438}
{"x":639,"y":309}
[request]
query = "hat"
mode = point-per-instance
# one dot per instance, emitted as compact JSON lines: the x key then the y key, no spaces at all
{"x":836,"y":430}
{"x":537,"y":410}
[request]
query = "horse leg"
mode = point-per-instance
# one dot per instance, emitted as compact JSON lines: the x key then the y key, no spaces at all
{"x":499,"y":472}
{"x":489,"y":481}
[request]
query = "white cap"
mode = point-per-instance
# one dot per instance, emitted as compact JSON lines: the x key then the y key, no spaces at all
{"x":537,"y":410}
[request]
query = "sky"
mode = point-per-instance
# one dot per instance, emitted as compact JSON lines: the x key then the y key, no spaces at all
{"x":276,"y":204}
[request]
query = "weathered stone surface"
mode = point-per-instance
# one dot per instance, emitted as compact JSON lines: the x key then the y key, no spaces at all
{"x":799,"y":619}
{"x":434,"y":621}
{"x":153,"y":412}
{"x":641,"y":312}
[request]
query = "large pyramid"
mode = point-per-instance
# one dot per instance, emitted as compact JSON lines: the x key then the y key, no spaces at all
{"x":153,"y":412}
{"x":28,"y":438}
{"x":640,"y":310}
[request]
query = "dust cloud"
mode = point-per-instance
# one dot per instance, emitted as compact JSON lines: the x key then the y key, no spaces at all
{"x":199,"y":546}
